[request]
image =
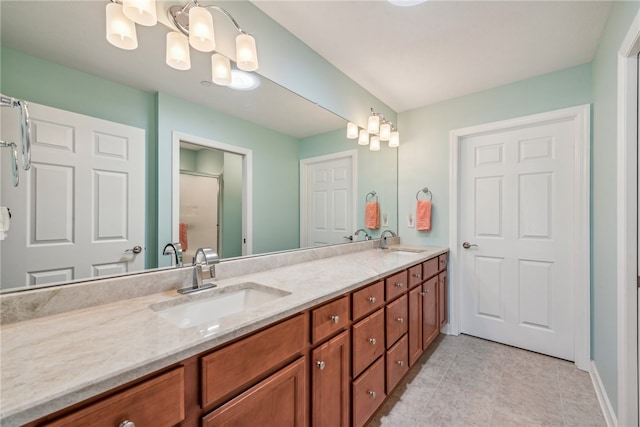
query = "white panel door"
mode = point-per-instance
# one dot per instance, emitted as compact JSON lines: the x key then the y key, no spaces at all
{"x":81,"y":206}
{"x":329,"y":196}
{"x":516,"y":189}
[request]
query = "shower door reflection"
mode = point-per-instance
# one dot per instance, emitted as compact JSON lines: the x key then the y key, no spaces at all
{"x":200,"y":196}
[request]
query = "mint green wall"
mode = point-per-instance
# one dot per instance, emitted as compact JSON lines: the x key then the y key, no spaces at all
{"x":232,"y":206}
{"x":424,"y":150}
{"x":46,"y":83}
{"x":603,"y":197}
{"x":275,"y":188}
{"x":377,"y":171}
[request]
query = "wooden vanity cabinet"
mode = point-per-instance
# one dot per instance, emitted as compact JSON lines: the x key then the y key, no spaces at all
{"x":330,"y":385}
{"x":279,"y":400}
{"x":415,"y":324}
{"x":368,"y":393}
{"x":396,"y":321}
{"x":158,"y":402}
{"x":430,"y":320}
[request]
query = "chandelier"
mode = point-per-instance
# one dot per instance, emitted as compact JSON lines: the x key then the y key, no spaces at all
{"x":193,"y":27}
{"x":379,"y":128}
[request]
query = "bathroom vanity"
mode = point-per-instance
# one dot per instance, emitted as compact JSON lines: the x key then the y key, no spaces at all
{"x":332,"y":339}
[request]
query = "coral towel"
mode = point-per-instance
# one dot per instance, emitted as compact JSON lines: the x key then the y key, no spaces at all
{"x":423,"y":215}
{"x":372,"y":215}
{"x":183,"y":236}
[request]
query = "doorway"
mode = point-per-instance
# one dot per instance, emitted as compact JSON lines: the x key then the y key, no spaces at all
{"x":504,"y":178}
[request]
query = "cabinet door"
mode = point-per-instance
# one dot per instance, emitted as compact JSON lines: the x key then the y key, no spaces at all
{"x":430,"y":320}
{"x":368,"y":341}
{"x":368,"y":393}
{"x":279,"y":400}
{"x":330,"y":383}
{"x":442,"y":298}
{"x":415,"y":324}
{"x":397,"y":363}
{"x":396,"y":324}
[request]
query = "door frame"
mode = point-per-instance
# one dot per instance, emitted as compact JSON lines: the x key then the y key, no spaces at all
{"x":247,"y":184}
{"x":580,"y":116}
{"x":304,"y":168}
{"x":627,"y":227}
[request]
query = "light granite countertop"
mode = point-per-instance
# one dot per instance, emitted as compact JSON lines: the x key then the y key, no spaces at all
{"x":49,"y":363}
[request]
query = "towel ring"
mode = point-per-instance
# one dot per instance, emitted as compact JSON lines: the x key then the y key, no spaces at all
{"x":426,"y":191}
{"x":372,"y":194}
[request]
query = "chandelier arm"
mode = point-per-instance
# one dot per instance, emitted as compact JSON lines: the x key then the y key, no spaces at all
{"x":225,"y":13}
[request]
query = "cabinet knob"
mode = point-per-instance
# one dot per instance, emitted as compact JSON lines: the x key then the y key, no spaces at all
{"x":127,"y":423}
{"x":399,"y":284}
{"x":400,"y":319}
{"x":400,"y":362}
{"x":372,"y":300}
{"x":423,"y":294}
{"x":417,"y":276}
{"x":372,"y":394}
{"x":372,"y":341}
{"x":319,"y":363}
{"x":335,"y":319}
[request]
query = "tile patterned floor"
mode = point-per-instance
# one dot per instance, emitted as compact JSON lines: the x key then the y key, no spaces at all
{"x":466,"y":381}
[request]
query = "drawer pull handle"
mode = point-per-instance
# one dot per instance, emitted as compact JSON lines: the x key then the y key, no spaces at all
{"x":399,"y":284}
{"x":335,"y":319}
{"x":372,"y":300}
{"x":320,"y":364}
{"x":372,"y":341}
{"x":372,"y":394}
{"x":400,"y":362}
{"x":400,"y":319}
{"x":127,"y":423}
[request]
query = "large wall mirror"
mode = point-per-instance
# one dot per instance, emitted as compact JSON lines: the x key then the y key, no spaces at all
{"x":71,"y":67}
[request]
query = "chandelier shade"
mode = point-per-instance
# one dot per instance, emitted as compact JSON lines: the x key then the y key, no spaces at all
{"x":141,"y":12}
{"x":121,"y":31}
{"x":178,"y":51}
{"x":201,"y":35}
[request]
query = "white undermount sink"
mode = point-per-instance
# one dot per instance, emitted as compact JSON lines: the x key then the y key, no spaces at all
{"x":209,"y":307}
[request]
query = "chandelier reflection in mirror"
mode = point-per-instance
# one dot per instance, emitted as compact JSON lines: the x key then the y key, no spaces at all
{"x":378,"y":129}
{"x":194,"y":27}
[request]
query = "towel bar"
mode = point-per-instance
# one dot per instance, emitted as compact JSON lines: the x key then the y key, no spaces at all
{"x":370,"y":193}
{"x":426,"y":191}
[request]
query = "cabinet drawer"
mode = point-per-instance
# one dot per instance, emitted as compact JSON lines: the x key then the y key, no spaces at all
{"x":442,"y":262}
{"x":155,"y":402}
{"x":430,"y":268}
{"x":415,"y":275}
{"x":367,"y":300}
{"x":368,"y":341}
{"x":368,"y":393}
{"x":279,"y":400}
{"x":396,"y":285}
{"x":397,"y":319}
{"x":397,"y":363}
{"x":329,"y":318}
{"x":229,"y":370}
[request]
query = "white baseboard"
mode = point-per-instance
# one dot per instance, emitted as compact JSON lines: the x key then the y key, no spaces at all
{"x":603,"y":398}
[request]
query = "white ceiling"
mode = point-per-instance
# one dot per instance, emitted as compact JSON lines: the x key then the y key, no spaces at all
{"x":409,"y":57}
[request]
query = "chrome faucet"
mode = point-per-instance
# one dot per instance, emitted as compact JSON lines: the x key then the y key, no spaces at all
{"x":174,"y":249}
{"x":366,"y":236}
{"x":383,"y":238}
{"x":204,"y":261}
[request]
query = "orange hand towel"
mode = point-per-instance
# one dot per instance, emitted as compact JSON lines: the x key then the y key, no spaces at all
{"x":183,"y":236}
{"x":372,"y":215}
{"x":423,"y":215}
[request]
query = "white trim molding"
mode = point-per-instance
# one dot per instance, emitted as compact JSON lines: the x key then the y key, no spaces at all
{"x":627,"y":226}
{"x":247,"y":184}
{"x":580,"y":116}
{"x":605,"y":404}
{"x":304,"y":165}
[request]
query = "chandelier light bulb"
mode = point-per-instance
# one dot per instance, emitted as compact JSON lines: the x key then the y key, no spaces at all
{"x":201,"y":35}
{"x":352,"y":130}
{"x":220,"y":70}
{"x":394,"y":139}
{"x":385,"y":131}
{"x":178,"y":51}
{"x":141,"y":12}
{"x":121,"y":31}
{"x":363,"y":139}
{"x":375,"y":143}
{"x":246,"y":54}
{"x":373,"y":124}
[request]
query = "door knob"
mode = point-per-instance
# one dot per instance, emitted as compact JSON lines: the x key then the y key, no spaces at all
{"x":135,"y":249}
{"x":467,"y":245}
